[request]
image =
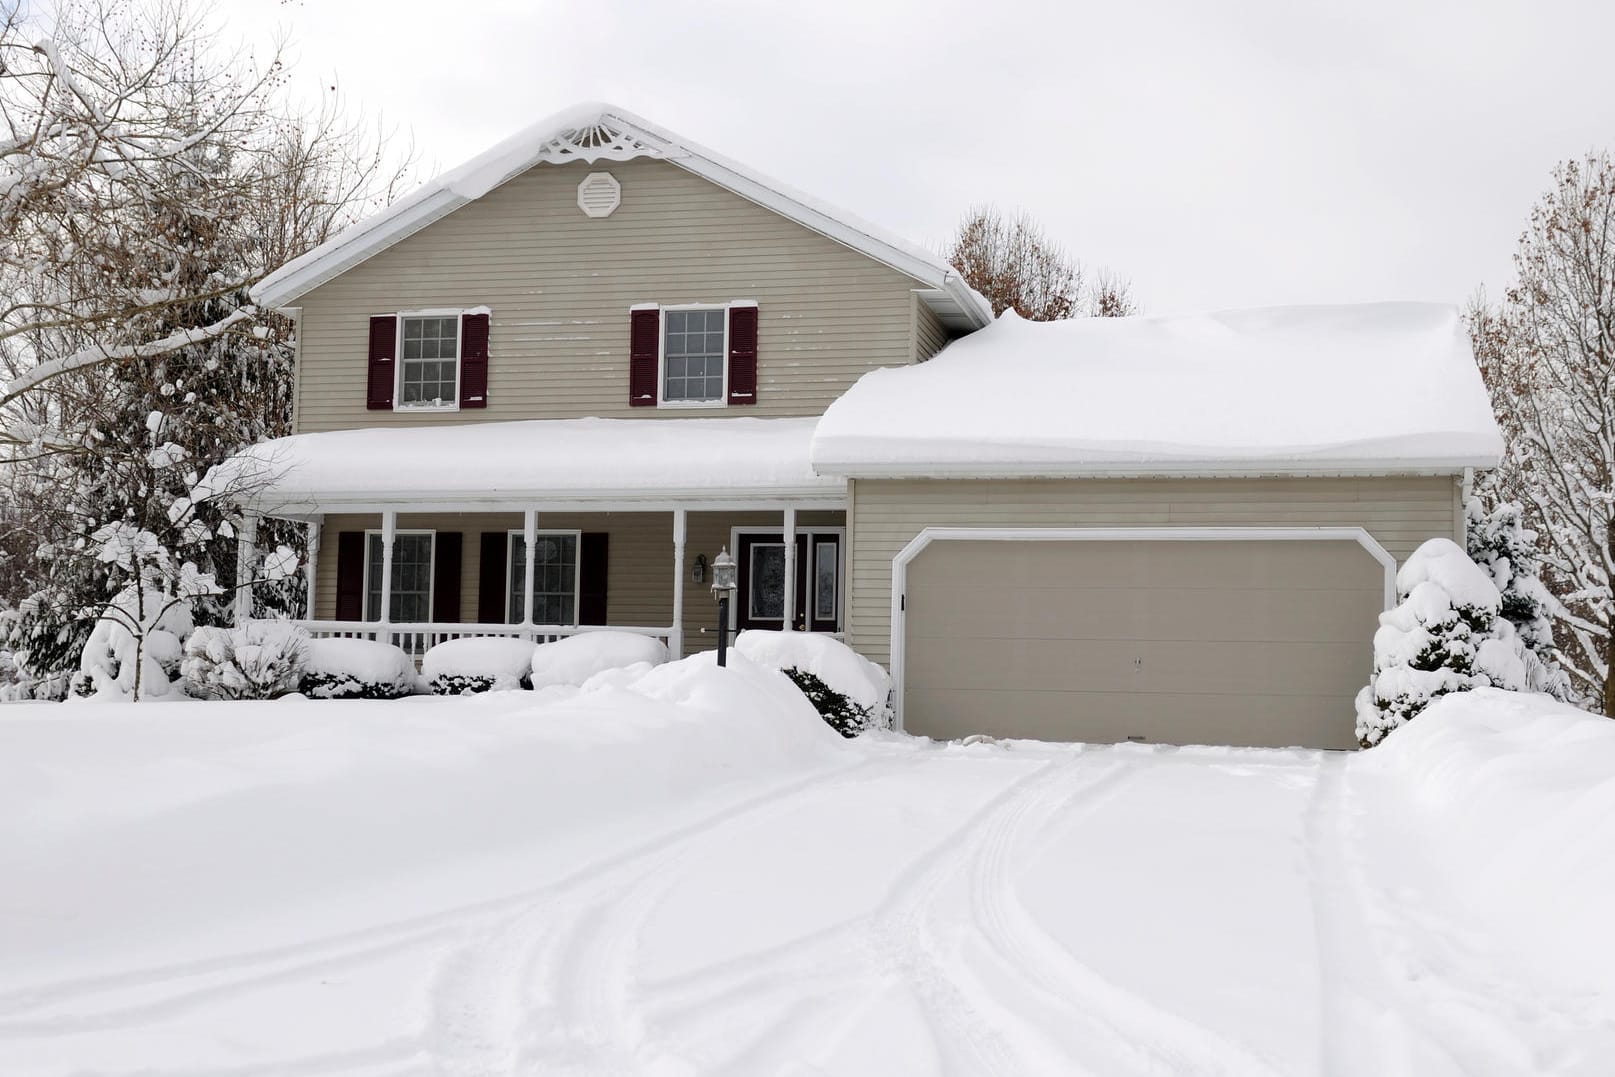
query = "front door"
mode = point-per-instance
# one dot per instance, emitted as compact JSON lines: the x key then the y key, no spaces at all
{"x":761,"y":599}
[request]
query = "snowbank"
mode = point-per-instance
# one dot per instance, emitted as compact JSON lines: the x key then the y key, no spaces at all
{"x":1512,"y":796}
{"x":827,"y":658}
{"x":499,"y":663}
{"x":575,"y":659}
{"x":163,"y":833}
{"x":1299,"y":388}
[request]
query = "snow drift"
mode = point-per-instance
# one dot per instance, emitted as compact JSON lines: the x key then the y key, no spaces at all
{"x":1511,"y":797}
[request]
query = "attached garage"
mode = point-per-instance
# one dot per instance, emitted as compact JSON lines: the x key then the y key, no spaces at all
{"x":1177,"y":530}
{"x":1221,"y":636}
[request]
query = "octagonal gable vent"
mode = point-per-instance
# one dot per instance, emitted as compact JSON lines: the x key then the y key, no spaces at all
{"x":599,"y":194}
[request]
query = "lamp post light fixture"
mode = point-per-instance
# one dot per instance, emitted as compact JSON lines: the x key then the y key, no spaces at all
{"x":724,"y":572}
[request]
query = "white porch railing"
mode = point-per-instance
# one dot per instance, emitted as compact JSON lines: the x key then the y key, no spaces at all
{"x":418,"y":638}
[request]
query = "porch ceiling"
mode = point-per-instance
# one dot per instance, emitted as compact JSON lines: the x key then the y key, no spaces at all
{"x":573,"y":461}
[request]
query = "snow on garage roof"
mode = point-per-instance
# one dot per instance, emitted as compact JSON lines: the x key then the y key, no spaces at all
{"x":499,"y":464}
{"x":1368,"y":389}
{"x":595,"y":131}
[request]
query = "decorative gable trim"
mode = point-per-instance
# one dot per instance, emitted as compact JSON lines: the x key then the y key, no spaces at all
{"x":596,"y":142}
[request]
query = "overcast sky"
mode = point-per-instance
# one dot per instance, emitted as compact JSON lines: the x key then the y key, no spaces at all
{"x":1219,"y":154}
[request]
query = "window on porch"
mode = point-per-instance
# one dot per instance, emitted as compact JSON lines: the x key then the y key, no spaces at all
{"x":412,"y":577}
{"x":555,"y":578}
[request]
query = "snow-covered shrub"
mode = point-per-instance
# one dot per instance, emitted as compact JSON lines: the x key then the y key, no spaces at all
{"x":1445,"y":635}
{"x":138,"y":630}
{"x":1500,"y":543}
{"x":478,"y":664}
{"x":257,"y":660}
{"x":358,"y":669}
{"x":573,"y":660}
{"x":842,"y":714}
{"x":842,"y":671}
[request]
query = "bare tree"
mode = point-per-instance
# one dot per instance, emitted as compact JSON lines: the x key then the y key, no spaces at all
{"x":1015,"y":265}
{"x":1548,"y":356}
{"x":133,"y":242}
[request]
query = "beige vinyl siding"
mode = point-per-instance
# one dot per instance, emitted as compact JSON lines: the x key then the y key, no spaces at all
{"x":1400,"y":513}
{"x":639,"y":579}
{"x":560,"y":286}
{"x":930,"y":335}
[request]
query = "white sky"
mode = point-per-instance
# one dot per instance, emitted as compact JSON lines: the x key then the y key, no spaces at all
{"x":1226,"y":154}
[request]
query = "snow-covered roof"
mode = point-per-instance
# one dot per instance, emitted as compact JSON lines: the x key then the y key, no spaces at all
{"x":1367,"y":389}
{"x":596,"y":131}
{"x":493,"y":464}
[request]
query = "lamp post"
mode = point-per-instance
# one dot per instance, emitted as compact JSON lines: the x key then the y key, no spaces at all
{"x":723,"y":586}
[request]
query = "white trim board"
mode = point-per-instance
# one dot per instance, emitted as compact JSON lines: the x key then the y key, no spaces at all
{"x":926,"y":537}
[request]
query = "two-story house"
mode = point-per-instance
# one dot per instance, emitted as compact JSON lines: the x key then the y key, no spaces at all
{"x":545,"y":390}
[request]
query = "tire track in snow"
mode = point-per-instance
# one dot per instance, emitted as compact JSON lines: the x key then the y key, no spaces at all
{"x":1096,"y":1023}
{"x":485,"y":1018}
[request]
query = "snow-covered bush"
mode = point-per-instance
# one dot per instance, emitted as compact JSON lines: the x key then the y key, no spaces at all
{"x":1445,"y":635}
{"x":1500,"y":543}
{"x":257,"y":660}
{"x":840,"y":713}
{"x":135,"y":648}
{"x":477,"y":664}
{"x":575,"y":659}
{"x":848,"y":690}
{"x":358,"y":669}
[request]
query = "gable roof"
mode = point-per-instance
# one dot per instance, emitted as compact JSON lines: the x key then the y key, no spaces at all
{"x":1386,"y":388}
{"x":595,"y":132}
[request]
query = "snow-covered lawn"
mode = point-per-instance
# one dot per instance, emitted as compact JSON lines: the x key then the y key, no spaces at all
{"x":685,"y":872}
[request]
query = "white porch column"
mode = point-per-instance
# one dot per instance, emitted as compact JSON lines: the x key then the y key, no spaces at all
{"x":389,"y":531}
{"x":246,"y":556}
{"x":529,"y":541}
{"x":790,"y":570}
{"x":675,"y":638}
{"x":311,"y":573}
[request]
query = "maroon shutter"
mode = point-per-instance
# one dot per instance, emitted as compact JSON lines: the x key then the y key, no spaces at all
{"x":446,"y":578}
{"x":350,"y":553}
{"x":594,"y":557}
{"x":644,"y":343}
{"x":474,"y":361}
{"x":383,"y":349}
{"x":742,"y":355}
{"x":491,"y":580}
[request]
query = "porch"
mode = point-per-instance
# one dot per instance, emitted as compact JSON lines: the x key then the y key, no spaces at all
{"x":542,"y":573}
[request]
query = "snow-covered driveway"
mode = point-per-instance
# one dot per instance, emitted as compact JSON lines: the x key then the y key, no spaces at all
{"x":457,"y":887}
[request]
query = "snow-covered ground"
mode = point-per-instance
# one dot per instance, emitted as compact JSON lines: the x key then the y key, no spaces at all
{"x":684,"y":872}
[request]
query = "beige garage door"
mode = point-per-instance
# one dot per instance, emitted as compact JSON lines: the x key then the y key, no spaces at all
{"x":1220,"y":642}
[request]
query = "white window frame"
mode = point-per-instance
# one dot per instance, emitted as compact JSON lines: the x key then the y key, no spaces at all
{"x":735,"y":534}
{"x":458,"y":314}
{"x":577,"y":566}
{"x":661,"y":355}
{"x":431,"y":571}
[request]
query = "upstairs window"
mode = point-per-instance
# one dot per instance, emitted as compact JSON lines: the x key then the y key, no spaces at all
{"x":693,"y":355}
{"x":429,"y":366}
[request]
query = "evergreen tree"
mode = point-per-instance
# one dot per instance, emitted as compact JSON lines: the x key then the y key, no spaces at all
{"x":1444,"y":635}
{"x":1501,"y":544}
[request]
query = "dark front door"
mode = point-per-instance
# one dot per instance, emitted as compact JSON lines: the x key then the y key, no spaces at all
{"x":761,"y":598}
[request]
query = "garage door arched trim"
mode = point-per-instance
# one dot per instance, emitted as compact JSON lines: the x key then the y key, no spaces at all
{"x":926,"y":537}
